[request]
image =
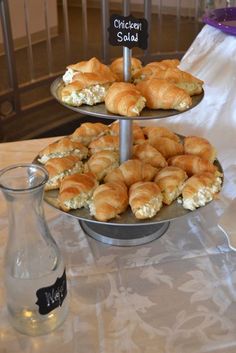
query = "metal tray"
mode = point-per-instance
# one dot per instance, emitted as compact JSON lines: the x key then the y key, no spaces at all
{"x":125,"y":230}
{"x":167,"y":213}
{"x":99,"y":110}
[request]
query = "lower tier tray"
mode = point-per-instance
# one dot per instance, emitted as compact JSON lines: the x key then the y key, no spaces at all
{"x":125,"y":230}
{"x":167,"y":213}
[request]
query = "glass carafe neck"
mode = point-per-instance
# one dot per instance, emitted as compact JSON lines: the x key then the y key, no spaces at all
{"x":30,"y":241}
{"x":22,"y":186}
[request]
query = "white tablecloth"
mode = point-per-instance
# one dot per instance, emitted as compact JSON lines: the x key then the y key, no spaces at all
{"x":174,"y":295}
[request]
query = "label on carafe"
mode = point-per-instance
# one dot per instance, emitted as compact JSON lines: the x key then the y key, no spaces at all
{"x":51,"y":297}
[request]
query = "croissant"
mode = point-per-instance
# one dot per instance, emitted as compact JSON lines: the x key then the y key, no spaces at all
{"x":87,"y":88}
{"x":152,"y":132}
{"x":106,"y":142}
{"x":117,"y":67}
{"x":148,"y":70}
{"x":162,"y":94}
{"x":62,"y":148}
{"x":92,"y":78}
{"x":76,"y":190}
{"x":200,"y":189}
{"x":93,"y":65}
{"x":100,"y":163}
{"x":109,"y":200}
{"x":166,"y":146}
{"x":192,"y":164}
{"x":138,"y":135}
{"x":191,"y":84}
{"x":87,"y":132}
{"x":124,"y":99}
{"x":149,"y":154}
{"x":58,"y":168}
{"x":164,"y":64}
{"x":170,"y":181}
{"x":145,"y":199}
{"x":131,"y":171}
{"x":199,"y":146}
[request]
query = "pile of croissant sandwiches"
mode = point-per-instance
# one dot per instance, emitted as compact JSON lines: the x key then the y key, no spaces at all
{"x":157,"y":85}
{"x":84,"y":168}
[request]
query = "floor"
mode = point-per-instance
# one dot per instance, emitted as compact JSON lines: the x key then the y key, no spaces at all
{"x":164,"y":40}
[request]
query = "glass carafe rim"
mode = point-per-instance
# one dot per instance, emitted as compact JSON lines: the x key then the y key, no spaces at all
{"x":45,"y":176}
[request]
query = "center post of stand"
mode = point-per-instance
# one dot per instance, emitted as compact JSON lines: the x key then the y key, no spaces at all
{"x":126,"y":131}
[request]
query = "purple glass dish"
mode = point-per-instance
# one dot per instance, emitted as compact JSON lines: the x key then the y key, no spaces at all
{"x":224,"y":19}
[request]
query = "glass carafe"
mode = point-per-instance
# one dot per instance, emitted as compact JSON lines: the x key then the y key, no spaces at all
{"x":35,"y":277}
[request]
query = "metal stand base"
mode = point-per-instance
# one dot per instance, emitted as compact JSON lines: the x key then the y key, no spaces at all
{"x":123,"y":235}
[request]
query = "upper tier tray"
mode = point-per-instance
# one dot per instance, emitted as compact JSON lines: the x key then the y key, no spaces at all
{"x":99,"y":110}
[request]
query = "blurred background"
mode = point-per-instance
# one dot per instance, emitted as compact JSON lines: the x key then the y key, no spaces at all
{"x":39,"y":38}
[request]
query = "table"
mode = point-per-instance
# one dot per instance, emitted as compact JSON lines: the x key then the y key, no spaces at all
{"x":174,"y":295}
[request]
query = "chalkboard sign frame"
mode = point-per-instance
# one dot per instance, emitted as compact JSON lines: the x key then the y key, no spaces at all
{"x":128,"y":31}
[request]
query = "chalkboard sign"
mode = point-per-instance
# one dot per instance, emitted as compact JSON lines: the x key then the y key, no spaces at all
{"x":51,"y":297}
{"x":128,"y":31}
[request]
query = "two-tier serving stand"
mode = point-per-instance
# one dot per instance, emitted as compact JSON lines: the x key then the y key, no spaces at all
{"x":125,"y":230}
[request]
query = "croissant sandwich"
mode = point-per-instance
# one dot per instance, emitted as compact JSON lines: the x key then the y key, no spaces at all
{"x":117,"y":67}
{"x":191,"y":84}
{"x":170,"y":181}
{"x":192,"y":164}
{"x":93,"y":65}
{"x":87,"y":88}
{"x":76,"y":190}
{"x":200,"y":189}
{"x":58,"y":168}
{"x":138,"y":135}
{"x":162,"y":94}
{"x":101,"y":163}
{"x":164,"y":64}
{"x":108,"y":201}
{"x":199,"y":146}
{"x":145,"y":199}
{"x":149,"y":154}
{"x":150,"y":69}
{"x":62,"y":148}
{"x":166,"y":146}
{"x":153,"y":132}
{"x":123,"y":98}
{"x":87,"y":132}
{"x":131,"y":171}
{"x":107,"y":142}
